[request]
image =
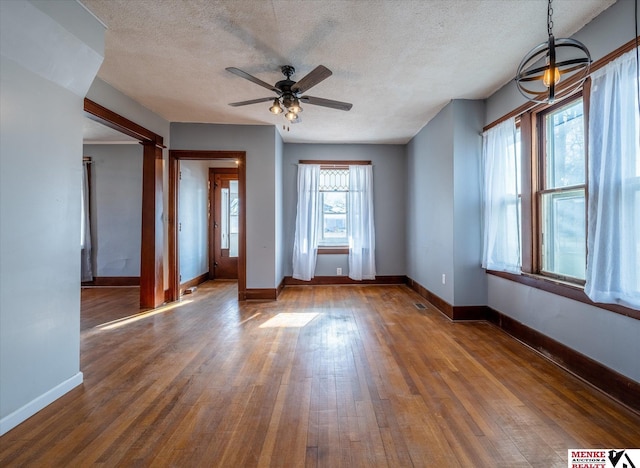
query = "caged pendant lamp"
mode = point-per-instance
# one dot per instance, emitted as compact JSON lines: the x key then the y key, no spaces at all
{"x":542,"y":69}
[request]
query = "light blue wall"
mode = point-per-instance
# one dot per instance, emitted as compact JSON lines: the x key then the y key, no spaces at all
{"x":193,"y":235}
{"x":280,"y":226}
{"x":430,"y":202}
{"x":116,"y":208}
{"x":470,"y":287}
{"x":389,"y":202}
{"x":259,"y":143}
{"x":44,"y":73}
{"x":604,"y":336}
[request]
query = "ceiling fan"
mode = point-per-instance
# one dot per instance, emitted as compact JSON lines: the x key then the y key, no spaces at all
{"x":289,"y":92}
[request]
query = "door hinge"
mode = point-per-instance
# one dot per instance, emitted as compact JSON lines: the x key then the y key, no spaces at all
{"x":179,"y":227}
{"x":180,"y":175}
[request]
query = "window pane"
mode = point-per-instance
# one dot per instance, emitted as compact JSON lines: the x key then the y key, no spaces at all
{"x":334,"y":218}
{"x":233,"y":218}
{"x":224,"y":218}
{"x":333,"y":179}
{"x":334,"y":202}
{"x":335,"y":226}
{"x":565,"y":163}
{"x":563,"y":231}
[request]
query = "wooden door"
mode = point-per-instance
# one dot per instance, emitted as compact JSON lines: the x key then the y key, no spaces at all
{"x":224,"y":226}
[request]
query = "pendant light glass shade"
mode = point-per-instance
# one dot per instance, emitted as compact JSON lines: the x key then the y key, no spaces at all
{"x":276,"y":108}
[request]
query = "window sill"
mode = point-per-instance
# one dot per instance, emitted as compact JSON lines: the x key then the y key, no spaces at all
{"x":337,"y":250}
{"x":561,"y":288}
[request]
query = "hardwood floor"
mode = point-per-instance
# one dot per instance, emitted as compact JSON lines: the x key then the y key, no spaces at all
{"x":370,"y":380}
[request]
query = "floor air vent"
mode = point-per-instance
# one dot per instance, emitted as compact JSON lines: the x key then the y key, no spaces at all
{"x":420,"y":306}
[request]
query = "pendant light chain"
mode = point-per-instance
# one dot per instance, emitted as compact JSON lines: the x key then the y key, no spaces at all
{"x":549,"y":19}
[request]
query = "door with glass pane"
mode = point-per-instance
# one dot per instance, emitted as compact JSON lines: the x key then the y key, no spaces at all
{"x":223,"y":229}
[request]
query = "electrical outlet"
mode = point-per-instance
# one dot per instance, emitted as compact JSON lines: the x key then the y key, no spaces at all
{"x":444,"y":278}
{"x":338,"y":271}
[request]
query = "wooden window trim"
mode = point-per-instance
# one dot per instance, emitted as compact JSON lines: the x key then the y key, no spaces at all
{"x":559,"y":288}
{"x":334,"y":164}
{"x":333,"y":250}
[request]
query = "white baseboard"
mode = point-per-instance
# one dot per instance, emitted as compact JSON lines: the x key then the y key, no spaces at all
{"x":22,"y":414}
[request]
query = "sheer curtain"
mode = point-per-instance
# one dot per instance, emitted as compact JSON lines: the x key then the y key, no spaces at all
{"x":613,"y":239}
{"x":305,"y":246}
{"x":500,"y":201}
{"x":362,"y":242}
{"x":86,"y":272}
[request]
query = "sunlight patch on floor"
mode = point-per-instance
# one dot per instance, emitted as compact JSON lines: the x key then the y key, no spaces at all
{"x":121,"y":322}
{"x":290,"y":320}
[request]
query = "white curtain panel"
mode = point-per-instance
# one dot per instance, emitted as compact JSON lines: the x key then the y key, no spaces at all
{"x":362,"y":242}
{"x":613,"y":239}
{"x":305,"y":246}
{"x":500,"y":201}
{"x":86,"y":272}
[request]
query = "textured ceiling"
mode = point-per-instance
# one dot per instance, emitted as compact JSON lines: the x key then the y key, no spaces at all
{"x":398,"y":61}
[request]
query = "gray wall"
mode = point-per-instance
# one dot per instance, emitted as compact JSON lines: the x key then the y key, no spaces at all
{"x":470,"y":287}
{"x":443,"y":205}
{"x":44,"y":74}
{"x":388,"y":197}
{"x":116,"y":208}
{"x":259,"y":142}
{"x":280,"y":226}
{"x":429,"y":186}
{"x":193,"y":236}
{"x":607,"y":337}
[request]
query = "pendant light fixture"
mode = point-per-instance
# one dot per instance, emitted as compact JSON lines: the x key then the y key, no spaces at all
{"x":551,"y":62}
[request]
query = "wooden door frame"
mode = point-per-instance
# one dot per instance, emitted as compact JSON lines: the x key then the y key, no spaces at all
{"x":175,"y":156}
{"x":152,"y":235}
{"x":211,"y":240}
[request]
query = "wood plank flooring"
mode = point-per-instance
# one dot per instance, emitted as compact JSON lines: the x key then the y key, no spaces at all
{"x":370,"y":381}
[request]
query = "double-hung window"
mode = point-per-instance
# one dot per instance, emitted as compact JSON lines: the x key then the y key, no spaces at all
{"x":580,"y":189}
{"x":562,"y":191}
{"x":333,"y":189}
{"x":335,"y":212}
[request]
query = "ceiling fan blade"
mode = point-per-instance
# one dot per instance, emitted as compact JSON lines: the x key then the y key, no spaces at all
{"x":314,"y":77}
{"x":252,"y":101}
{"x":316,"y":101}
{"x":246,"y":76}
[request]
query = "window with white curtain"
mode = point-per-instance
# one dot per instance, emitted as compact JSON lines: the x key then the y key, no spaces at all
{"x":335,"y":209}
{"x":501,"y":197}
{"x":613,"y":259}
{"x":577,"y":221}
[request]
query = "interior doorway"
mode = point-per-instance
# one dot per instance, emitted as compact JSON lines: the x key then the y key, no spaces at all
{"x":224,"y":236}
{"x":151,"y":252}
{"x":175,"y":156}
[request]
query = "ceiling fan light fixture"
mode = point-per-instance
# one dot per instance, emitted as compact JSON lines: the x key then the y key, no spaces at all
{"x":276,"y":108}
{"x":295,"y":106}
{"x":545,"y":65}
{"x":290,"y":116}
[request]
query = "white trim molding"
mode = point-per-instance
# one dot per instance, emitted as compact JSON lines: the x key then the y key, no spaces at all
{"x":22,"y":414}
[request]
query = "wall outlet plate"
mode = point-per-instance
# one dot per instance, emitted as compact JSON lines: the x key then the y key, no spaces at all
{"x":338,"y":271}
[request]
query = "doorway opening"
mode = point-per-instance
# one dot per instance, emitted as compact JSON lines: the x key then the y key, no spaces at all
{"x":223,"y":223}
{"x":151,"y":263}
{"x":239,"y":158}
